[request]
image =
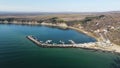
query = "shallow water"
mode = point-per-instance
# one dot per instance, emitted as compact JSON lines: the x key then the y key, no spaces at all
{"x":16,"y":51}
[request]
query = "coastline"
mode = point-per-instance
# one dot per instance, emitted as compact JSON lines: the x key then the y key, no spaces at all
{"x":83,"y":31}
{"x":113,"y":49}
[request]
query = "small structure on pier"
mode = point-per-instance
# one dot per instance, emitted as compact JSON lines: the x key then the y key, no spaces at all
{"x":71,"y":41}
{"x":48,"y":41}
{"x":62,"y":42}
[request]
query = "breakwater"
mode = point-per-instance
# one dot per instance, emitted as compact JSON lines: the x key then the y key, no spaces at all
{"x":72,"y":45}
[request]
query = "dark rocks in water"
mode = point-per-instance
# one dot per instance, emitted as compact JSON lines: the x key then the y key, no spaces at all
{"x":116,"y":63}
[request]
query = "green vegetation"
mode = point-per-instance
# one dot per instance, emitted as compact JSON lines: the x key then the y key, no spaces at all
{"x":101,"y":16}
{"x":75,"y":22}
{"x":7,"y":19}
{"x":87,"y":19}
{"x":54,"y":20}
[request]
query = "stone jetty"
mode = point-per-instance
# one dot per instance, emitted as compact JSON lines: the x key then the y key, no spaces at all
{"x":39,"y":43}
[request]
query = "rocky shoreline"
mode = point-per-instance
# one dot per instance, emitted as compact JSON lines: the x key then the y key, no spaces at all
{"x":103,"y":46}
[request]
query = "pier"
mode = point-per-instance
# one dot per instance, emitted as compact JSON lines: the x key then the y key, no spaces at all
{"x":72,"y":45}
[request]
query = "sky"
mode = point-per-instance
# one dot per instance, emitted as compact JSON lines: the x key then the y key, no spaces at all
{"x":59,"y":5}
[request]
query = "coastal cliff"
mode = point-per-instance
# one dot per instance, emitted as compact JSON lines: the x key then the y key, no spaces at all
{"x":17,"y":21}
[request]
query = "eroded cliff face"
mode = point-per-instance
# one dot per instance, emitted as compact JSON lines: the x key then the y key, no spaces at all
{"x":62,"y":25}
{"x":18,"y":22}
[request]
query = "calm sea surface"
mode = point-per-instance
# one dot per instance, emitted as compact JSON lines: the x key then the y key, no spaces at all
{"x":16,"y":51}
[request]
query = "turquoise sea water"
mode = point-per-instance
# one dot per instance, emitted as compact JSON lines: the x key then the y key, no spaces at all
{"x":16,"y":51}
